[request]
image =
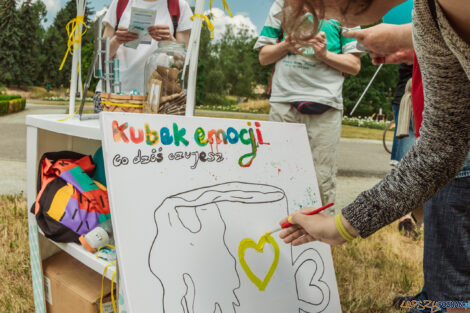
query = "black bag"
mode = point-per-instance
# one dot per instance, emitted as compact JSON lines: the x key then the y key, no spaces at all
{"x":308,"y":107}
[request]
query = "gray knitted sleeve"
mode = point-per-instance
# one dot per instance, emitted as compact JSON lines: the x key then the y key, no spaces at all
{"x":440,"y":153}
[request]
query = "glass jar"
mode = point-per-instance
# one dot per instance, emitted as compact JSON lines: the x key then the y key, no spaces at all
{"x":164,"y":85}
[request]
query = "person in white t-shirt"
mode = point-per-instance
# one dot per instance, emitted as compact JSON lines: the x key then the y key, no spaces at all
{"x":132,"y":61}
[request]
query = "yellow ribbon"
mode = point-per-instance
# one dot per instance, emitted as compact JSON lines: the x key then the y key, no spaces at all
{"x":68,"y":117}
{"x":224,"y":2}
{"x":127,"y":105}
{"x":74,"y":39}
{"x":226,"y":8}
{"x":109,"y":246}
{"x":112,"y":280}
{"x":208,"y":22}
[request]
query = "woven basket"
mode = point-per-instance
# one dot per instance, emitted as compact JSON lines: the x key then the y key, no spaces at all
{"x":122,"y":103}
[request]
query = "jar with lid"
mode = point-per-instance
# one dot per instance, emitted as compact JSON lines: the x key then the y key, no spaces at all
{"x":164,"y":85}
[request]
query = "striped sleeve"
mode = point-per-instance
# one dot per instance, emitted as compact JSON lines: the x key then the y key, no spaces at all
{"x":272,"y":27}
{"x":349,"y":45}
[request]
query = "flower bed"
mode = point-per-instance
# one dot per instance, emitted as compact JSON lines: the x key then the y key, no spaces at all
{"x":88,"y":99}
{"x":367,"y":122}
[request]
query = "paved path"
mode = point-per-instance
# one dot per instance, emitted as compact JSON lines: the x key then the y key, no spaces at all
{"x":361,"y":162}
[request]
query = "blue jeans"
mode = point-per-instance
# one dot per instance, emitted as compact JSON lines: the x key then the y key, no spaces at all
{"x":401,"y":146}
{"x":446,"y":261}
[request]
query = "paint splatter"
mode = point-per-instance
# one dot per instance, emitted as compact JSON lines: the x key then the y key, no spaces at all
{"x":309,"y":199}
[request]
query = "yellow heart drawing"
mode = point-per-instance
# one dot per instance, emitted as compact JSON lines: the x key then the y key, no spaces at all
{"x":249,"y":243}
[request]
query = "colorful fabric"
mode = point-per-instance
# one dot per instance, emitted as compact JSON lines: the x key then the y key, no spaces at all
{"x":68,"y":198}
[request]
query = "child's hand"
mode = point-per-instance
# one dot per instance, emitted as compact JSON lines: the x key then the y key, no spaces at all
{"x":292,"y":47}
{"x":306,"y":228}
{"x":318,"y":43}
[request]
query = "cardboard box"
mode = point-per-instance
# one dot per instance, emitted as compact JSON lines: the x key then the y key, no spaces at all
{"x":72,"y":287}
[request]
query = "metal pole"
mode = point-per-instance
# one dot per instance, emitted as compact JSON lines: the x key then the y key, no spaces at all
{"x":365,"y":90}
{"x":193,"y":58}
{"x":106,"y":71}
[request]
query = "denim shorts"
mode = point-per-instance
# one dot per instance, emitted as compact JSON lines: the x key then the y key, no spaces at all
{"x":446,"y":261}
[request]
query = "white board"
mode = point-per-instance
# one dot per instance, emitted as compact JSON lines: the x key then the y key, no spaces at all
{"x":184,"y":212}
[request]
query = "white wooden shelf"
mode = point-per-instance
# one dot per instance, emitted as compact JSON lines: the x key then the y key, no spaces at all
{"x":85,"y":257}
{"x":73,"y":127}
{"x":46,"y":133}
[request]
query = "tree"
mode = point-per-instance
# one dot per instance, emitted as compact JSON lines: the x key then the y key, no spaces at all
{"x":262,"y":73}
{"x":379,"y":95}
{"x":88,"y":47}
{"x":236,"y":61}
{"x":55,"y":46}
{"x":30,"y":42}
{"x":202,"y":65}
{"x":10,"y":37}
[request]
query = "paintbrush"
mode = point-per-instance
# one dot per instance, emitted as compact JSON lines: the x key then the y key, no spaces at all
{"x":288,"y":224}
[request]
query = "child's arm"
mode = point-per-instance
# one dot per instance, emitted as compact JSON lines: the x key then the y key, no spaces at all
{"x":318,"y":227}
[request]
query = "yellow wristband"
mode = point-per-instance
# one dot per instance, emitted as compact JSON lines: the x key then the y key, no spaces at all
{"x":342,"y":230}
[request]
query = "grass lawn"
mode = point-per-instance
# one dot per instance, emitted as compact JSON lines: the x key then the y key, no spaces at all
{"x":370,"y":272}
{"x":348,"y":131}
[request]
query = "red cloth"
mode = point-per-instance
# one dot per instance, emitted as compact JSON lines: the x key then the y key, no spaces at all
{"x":417,"y":95}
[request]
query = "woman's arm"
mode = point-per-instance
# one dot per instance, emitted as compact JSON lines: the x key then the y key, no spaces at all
{"x":386,"y":43}
{"x":440,"y":152}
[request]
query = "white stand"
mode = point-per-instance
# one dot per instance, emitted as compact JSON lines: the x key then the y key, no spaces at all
{"x":193,"y":54}
{"x":44,"y":134}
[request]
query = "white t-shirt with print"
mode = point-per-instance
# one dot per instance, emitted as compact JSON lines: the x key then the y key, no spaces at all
{"x":132,"y":61}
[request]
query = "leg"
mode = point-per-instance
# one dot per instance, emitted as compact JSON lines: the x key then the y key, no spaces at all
{"x":393,"y":157}
{"x":324,"y":132}
{"x":282,"y":112}
{"x":446,"y":260}
{"x":408,"y":227}
{"x":405,"y":144}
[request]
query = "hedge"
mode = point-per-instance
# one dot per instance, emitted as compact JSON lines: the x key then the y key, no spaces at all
{"x":9,"y":97}
{"x":11,"y":106}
